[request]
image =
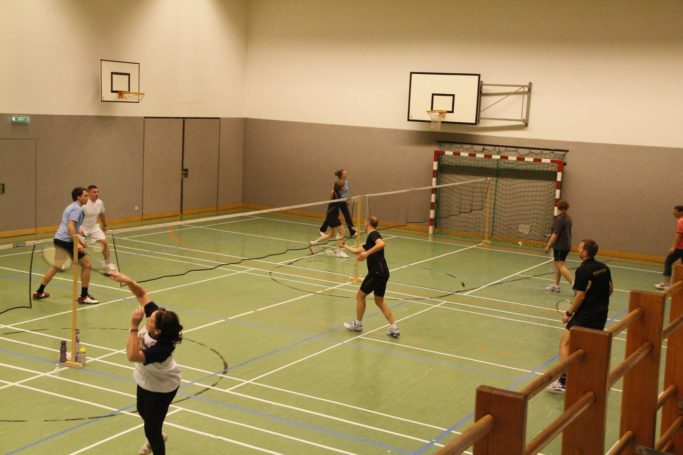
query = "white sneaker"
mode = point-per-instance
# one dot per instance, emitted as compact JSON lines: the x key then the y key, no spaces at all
{"x":321,"y":232}
{"x":393,"y":332}
{"x":556,"y":387}
{"x":552,"y":288}
{"x":338,"y":236}
{"x":354,"y":326}
{"x":88,"y":300}
{"x":311,"y":244}
{"x":342,"y":254}
{"x":146,"y":449}
{"x":662,"y":286}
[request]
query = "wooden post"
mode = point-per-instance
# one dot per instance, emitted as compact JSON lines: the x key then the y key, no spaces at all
{"x":586,"y":434}
{"x":74,"y":307}
{"x":509,"y":411}
{"x":359,"y":222}
{"x":641,"y":383}
{"x":673,"y":374}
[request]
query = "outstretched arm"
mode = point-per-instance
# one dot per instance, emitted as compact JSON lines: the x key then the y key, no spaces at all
{"x":134,"y":287}
{"x":379,"y":244}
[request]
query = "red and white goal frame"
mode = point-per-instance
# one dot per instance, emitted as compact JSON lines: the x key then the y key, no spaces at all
{"x":487,"y":156}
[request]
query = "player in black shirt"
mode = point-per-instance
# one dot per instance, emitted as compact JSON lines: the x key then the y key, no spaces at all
{"x":593,"y":287}
{"x":376,"y":279}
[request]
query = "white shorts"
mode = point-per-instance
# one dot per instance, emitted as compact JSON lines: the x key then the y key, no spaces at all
{"x":94,"y":234}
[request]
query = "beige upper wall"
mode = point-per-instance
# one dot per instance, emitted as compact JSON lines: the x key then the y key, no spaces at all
{"x":602,"y":72}
{"x":192,"y":55}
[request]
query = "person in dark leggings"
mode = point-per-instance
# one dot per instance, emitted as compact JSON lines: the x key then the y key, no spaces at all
{"x":156,"y":373}
{"x":675,"y":252}
{"x":343,"y":178}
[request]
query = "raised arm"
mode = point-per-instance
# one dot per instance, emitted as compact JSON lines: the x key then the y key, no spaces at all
{"x":134,"y":287}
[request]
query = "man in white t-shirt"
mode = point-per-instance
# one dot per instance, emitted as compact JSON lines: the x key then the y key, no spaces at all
{"x":94,"y":212}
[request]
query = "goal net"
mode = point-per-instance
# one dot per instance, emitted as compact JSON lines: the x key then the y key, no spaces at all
{"x":517,"y":204}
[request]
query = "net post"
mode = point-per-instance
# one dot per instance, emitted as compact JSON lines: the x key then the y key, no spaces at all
{"x":74,"y":307}
{"x":359,"y":211}
{"x":487,"y":211}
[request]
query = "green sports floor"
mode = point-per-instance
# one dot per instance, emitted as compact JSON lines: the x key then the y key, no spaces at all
{"x":267,"y":365}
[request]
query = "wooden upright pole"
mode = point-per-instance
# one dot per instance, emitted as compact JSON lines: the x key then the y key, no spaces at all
{"x":359,"y":223}
{"x":74,"y":307}
{"x":586,"y":433}
{"x":673,"y":375}
{"x":641,"y":383}
{"x":509,"y":411}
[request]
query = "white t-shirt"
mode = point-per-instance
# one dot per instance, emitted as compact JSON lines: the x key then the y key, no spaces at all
{"x":92,"y":212}
{"x":162,"y":377}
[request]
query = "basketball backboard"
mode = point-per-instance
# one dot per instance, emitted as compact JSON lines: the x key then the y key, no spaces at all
{"x":455,"y":93}
{"x":119,"y":77}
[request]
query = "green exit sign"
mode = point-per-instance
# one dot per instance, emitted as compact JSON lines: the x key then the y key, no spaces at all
{"x":20,"y":119}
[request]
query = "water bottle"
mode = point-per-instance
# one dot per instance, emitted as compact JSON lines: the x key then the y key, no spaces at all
{"x":77,"y":348}
{"x":62,"y":351}
{"x":82,"y":356}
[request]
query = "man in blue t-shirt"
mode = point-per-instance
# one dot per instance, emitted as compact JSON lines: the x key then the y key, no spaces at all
{"x":72,"y":218}
{"x":376,"y":279}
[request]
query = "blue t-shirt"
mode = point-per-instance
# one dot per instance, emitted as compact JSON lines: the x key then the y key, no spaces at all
{"x":73,"y":212}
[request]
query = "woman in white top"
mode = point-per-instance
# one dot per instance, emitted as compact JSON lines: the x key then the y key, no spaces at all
{"x":156,"y":373}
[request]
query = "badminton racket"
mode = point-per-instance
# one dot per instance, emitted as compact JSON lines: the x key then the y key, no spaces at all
{"x":562,"y":306}
{"x":55,"y":256}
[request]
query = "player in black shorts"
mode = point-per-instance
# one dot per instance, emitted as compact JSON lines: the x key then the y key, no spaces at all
{"x":376,"y":279}
{"x":561,"y":242}
{"x":593,"y":288}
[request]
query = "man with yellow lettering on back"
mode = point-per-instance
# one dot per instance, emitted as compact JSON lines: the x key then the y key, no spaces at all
{"x":593,"y":288}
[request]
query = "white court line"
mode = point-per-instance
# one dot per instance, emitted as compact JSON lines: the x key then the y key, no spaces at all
{"x":129,"y":414}
{"x":346,"y":283}
{"x":176,"y":408}
{"x":114,"y":436}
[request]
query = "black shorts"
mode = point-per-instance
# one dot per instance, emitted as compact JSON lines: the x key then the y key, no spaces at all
{"x":68,"y":247}
{"x":560,"y":255}
{"x":376,"y":284}
{"x":333,"y":222}
{"x":595,"y":321}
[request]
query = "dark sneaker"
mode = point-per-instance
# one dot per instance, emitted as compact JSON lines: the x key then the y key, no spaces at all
{"x":40,"y":295}
{"x":352,"y":232}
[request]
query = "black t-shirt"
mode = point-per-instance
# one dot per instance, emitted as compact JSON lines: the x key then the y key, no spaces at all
{"x":333,"y":208}
{"x":562,"y":227}
{"x":160,"y":350}
{"x":377,"y":265}
{"x":593,"y":278}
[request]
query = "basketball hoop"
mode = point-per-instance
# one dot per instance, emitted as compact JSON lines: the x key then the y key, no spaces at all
{"x":129,"y":96}
{"x":436,"y":116}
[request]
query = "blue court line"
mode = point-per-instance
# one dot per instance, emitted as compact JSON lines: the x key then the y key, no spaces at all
{"x":223,"y":404}
{"x":196,"y":397}
{"x":512,"y":386}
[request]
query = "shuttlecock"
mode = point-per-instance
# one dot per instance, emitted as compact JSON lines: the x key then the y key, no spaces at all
{"x":519,"y":243}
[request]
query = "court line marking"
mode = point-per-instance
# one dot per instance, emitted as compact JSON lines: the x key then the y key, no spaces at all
{"x":178,"y":408}
{"x":480,"y":288}
{"x":379,"y":429}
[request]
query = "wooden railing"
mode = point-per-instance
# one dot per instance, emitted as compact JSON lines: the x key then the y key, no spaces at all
{"x":501,"y":415}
